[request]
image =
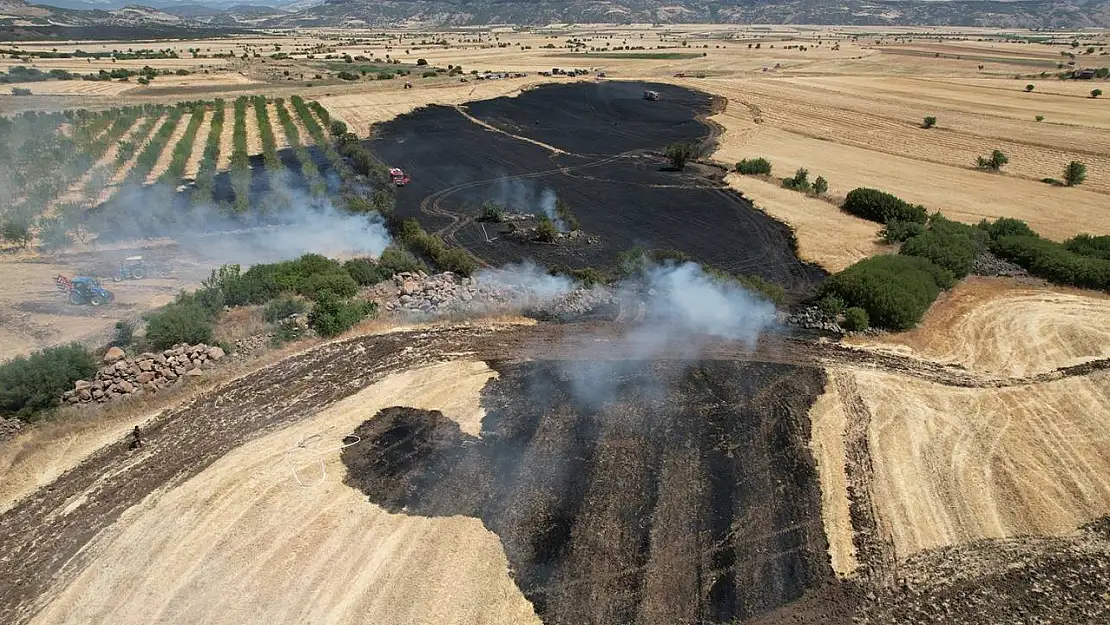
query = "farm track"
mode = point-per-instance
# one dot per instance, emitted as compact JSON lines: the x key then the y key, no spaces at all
{"x":186,"y":439}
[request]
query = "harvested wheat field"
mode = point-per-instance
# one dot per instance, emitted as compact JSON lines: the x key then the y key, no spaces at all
{"x":625,"y":455}
{"x":998,"y":325}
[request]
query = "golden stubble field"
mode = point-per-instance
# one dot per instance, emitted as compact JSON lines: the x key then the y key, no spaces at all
{"x":950,"y":465}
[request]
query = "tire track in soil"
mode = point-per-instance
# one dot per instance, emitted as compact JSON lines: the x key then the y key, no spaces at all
{"x":874,"y":548}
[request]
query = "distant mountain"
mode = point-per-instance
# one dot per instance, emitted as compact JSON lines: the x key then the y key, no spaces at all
{"x":20,"y":20}
{"x":981,"y":13}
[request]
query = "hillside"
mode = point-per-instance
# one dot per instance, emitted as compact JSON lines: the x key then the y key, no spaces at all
{"x":1048,"y":14}
{"x":1027,"y":14}
{"x":20,"y":20}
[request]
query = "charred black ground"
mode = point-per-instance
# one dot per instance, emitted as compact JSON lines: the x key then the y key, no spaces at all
{"x":612,"y":176}
{"x":631,"y":492}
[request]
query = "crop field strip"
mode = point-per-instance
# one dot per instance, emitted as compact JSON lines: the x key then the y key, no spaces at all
{"x":791,"y":110}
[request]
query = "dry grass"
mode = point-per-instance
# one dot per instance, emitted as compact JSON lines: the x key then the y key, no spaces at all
{"x":240,"y":323}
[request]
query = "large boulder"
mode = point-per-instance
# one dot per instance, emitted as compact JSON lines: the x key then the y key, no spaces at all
{"x":194,"y":373}
{"x":81,"y":384}
{"x":215,"y":353}
{"x":144,"y":377}
{"x":113,"y":354}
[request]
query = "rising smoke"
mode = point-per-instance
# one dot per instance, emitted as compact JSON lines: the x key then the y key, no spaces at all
{"x":670,"y":312}
{"x":526,"y":196}
{"x":284,"y":223}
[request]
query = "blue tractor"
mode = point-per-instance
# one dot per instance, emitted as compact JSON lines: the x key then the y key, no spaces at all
{"x":84,"y":290}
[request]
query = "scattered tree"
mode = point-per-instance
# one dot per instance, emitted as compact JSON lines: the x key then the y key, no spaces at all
{"x":1039,"y":118}
{"x":929,"y":122}
{"x":800,"y":181}
{"x":1075,"y":173}
{"x":337,"y":128}
{"x":421,"y":62}
{"x":679,"y":154}
{"x":1096,"y":93}
{"x":882,"y":207}
{"x":994,"y":163}
{"x":16,"y":231}
{"x":820,"y":185}
{"x":1029,"y":88}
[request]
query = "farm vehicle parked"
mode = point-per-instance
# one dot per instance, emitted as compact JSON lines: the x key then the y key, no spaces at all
{"x":131,"y":268}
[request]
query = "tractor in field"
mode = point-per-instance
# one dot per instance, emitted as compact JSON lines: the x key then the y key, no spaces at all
{"x":83,"y":290}
{"x":131,"y":268}
{"x":398,"y":177}
{"x":651,"y":95}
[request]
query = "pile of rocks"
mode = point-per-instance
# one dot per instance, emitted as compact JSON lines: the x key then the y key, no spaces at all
{"x":9,"y":428}
{"x":813,"y":318}
{"x":121,"y":376}
{"x":987,"y":264}
{"x":253,"y":343}
{"x":439,"y":293}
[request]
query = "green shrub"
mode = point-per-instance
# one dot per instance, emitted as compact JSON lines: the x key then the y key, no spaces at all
{"x":586,"y":276}
{"x":1087,"y":245}
{"x":754,"y":166}
{"x":820,"y":185}
{"x":680,"y":153}
{"x":1054,"y":262}
{"x":929,"y":122}
{"x":800,"y":181}
{"x":898,"y":231}
{"x":895,"y":290}
{"x":1006,"y":227}
{"x":855,"y":319}
{"x":830,"y":305}
{"x":950,"y":244}
{"x":282,"y":308}
{"x":400,"y":260}
{"x":882,"y":207}
{"x":183,"y":321}
{"x":340,"y":284}
{"x":332,"y":316}
{"x":366,"y":272}
{"x":32,"y":383}
{"x":492,"y":212}
{"x":545,"y":230}
{"x":445,"y":258}
{"x":16,"y":231}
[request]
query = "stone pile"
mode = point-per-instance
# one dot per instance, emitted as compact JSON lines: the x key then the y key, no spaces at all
{"x":813,"y":318}
{"x":420,"y":293}
{"x":121,"y":376}
{"x":987,"y":264}
{"x":9,"y":428}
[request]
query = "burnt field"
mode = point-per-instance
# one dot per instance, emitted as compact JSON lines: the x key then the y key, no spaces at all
{"x":606,"y":167}
{"x":630,"y":492}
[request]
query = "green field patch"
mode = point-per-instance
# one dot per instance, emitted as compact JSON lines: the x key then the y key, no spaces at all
{"x":671,"y":56}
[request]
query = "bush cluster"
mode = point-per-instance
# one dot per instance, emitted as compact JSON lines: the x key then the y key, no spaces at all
{"x":332,"y":316}
{"x":949,"y":244}
{"x":754,"y":167}
{"x":283,"y":308}
{"x":29,"y":384}
{"x":445,"y":258}
{"x":882,"y":207}
{"x":1087,"y":245}
{"x":206,"y":172}
{"x":240,"y":160}
{"x":894,"y":290}
{"x":1054,"y":261}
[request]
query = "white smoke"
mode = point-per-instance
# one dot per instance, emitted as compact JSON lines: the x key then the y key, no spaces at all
{"x":527,"y":284}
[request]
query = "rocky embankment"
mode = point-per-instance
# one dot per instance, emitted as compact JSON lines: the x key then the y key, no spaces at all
{"x":147,"y":372}
{"x":442,"y":293}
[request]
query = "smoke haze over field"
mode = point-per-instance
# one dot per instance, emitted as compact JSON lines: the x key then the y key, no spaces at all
{"x":283,"y":224}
